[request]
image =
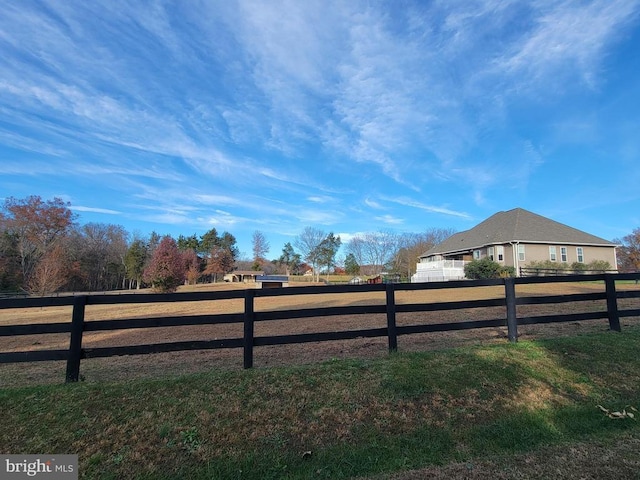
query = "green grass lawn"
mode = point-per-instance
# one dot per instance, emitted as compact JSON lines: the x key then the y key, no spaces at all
{"x":339,"y":419}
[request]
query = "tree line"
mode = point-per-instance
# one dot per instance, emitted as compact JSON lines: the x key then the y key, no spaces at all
{"x":43,"y":249}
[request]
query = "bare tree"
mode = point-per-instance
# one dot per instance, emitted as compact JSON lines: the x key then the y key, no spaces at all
{"x":50,"y":273}
{"x":374,"y":249}
{"x":307,"y":243}
{"x":412,"y":245}
{"x":100,"y":249}
{"x":628,"y":252}
{"x":260,"y":248}
{"x":356,"y":248}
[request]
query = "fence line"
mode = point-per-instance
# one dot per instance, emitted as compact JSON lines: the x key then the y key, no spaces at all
{"x":541,"y":272}
{"x":75,"y":353}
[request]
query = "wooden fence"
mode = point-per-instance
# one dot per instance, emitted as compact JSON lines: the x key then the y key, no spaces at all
{"x":552,"y":272}
{"x":77,"y":326}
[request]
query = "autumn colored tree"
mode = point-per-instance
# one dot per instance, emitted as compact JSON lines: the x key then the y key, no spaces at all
{"x":192,"y":266}
{"x":166,"y":271}
{"x":220,"y":261}
{"x":35,"y":225}
{"x":629,"y":252}
{"x":51,"y":272}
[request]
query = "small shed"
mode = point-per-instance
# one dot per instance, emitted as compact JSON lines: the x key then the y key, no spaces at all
{"x":272,"y":281}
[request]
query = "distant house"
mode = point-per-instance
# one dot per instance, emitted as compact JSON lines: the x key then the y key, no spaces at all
{"x":513,"y":238}
{"x":245,"y":276}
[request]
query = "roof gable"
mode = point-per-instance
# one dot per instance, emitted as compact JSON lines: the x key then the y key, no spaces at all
{"x":517,"y":225}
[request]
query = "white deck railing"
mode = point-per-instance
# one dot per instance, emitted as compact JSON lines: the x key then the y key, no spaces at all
{"x":441,"y":270}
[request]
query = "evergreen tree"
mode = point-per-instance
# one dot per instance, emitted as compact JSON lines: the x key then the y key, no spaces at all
{"x":289,"y":259}
{"x":351,"y":266}
{"x":134,"y":261}
{"x":327,"y":250}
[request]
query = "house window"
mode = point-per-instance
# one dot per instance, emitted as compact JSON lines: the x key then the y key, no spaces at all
{"x":552,"y":254}
{"x":491,"y":253}
{"x":521,"y":252}
{"x":476,"y":254}
{"x":580,"y":254}
{"x":500,"y":249}
{"x":563,"y":254}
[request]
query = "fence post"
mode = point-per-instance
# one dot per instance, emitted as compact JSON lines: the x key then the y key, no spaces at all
{"x":75,"y":343}
{"x":249,"y":319}
{"x":612,"y":302}
{"x":391,"y":317}
{"x":512,"y":320}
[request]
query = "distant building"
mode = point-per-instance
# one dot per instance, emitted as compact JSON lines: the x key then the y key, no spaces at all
{"x":272,"y":281}
{"x":245,"y":276}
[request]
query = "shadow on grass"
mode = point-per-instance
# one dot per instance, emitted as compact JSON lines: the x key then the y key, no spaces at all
{"x":339,"y":419}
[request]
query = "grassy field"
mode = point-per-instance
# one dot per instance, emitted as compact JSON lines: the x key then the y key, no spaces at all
{"x":526,"y":410}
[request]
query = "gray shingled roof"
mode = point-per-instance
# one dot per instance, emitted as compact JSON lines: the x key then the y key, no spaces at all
{"x":517,"y":225}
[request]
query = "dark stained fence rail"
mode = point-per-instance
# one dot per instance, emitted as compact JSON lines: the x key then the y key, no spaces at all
{"x":249,"y":316}
{"x":547,"y":272}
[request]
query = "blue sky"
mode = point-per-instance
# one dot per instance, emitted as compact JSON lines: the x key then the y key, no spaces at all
{"x":349,"y":116}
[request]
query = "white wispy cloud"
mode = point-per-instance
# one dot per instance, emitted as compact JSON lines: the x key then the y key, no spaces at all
{"x":27,"y":144}
{"x":567,"y":41}
{"x":107,"y":211}
{"x":309,"y":216}
{"x":390,"y":220}
{"x":209,"y":199}
{"x":320,"y":199}
{"x":372,"y":204}
{"x":428,"y":208}
{"x":223,"y":220}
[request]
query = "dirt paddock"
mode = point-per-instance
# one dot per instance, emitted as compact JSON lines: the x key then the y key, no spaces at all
{"x":175,"y":363}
